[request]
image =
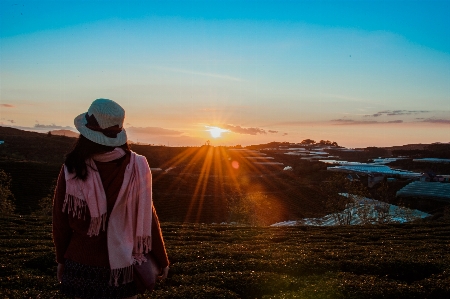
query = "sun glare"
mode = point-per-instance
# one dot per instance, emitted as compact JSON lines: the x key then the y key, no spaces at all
{"x":216,"y":132}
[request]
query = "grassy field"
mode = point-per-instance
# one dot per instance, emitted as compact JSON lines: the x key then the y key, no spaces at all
{"x":217,"y":261}
{"x":223,"y":261}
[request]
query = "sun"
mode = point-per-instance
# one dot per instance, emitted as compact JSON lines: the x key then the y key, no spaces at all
{"x":216,"y":132}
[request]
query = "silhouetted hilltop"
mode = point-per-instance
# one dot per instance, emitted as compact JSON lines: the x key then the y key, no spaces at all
{"x":22,"y":145}
{"x":8,"y":131}
{"x":413,"y":146}
{"x":194,"y":184}
{"x":67,"y":133}
{"x":435,"y":150}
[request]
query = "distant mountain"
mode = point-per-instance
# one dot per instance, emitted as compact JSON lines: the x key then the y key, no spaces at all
{"x":67,"y":133}
{"x":29,"y":146}
{"x":8,"y":131}
{"x":419,"y":146}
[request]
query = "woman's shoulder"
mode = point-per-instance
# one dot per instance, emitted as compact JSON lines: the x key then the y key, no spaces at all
{"x":138,"y":159}
{"x":137,"y":155}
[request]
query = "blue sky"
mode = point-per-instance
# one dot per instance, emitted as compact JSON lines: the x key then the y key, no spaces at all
{"x":362,"y":73}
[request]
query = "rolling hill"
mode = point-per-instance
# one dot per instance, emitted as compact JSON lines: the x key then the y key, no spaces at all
{"x":195,"y":184}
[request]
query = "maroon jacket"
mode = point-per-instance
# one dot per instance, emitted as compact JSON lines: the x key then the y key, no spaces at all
{"x":70,"y":233}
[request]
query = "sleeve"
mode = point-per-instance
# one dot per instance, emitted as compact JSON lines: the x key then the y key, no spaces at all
{"x":158,"y":248}
{"x":62,"y":232}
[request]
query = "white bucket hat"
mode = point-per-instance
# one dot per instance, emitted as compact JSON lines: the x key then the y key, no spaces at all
{"x":103,"y":123}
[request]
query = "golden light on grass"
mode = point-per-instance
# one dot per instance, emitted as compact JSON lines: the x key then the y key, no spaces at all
{"x":216,"y":171}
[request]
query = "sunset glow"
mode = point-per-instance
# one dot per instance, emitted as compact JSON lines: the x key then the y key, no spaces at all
{"x":216,"y":132}
{"x":361,"y":73}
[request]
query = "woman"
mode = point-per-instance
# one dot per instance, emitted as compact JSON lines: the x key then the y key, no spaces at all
{"x":103,"y":215}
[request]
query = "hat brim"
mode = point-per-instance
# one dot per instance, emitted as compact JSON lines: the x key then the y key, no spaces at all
{"x":80,"y":124}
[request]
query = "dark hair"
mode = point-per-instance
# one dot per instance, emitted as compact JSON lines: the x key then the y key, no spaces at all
{"x":84,"y":149}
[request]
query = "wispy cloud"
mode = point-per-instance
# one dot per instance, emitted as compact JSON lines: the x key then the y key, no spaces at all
{"x":241,"y":130}
{"x":7,"y":105}
{"x":396,"y":113}
{"x":272,"y":131}
{"x":192,"y":72}
{"x":346,"y":121}
{"x":343,"y":120}
{"x":153,"y":131}
{"x":437,"y":121}
{"x":292,"y":123}
{"x":8,"y":120}
{"x":51,"y":127}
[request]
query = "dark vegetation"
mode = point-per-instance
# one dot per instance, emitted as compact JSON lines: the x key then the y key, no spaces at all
{"x":425,"y":167}
{"x":361,"y":155}
{"x":218,"y":261}
{"x":31,"y":146}
{"x":199,"y":184}
{"x":215,"y":184}
{"x":435,"y":150}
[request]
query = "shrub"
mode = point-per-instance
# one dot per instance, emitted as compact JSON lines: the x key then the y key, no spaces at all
{"x":253,"y":209}
{"x":46,"y":203}
{"x":6,"y":196}
{"x":193,"y":291}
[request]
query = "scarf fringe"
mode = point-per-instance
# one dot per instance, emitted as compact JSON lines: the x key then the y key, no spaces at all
{"x":142,"y":244}
{"x":74,"y":205}
{"x":125,"y":274}
{"x":78,"y":208}
{"x":96,"y":224}
{"x":139,"y":259}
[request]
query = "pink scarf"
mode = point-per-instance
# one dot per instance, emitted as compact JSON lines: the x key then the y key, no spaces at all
{"x":129,"y":225}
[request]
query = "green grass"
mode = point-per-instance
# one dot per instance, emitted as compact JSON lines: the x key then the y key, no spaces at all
{"x":216,"y":261}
